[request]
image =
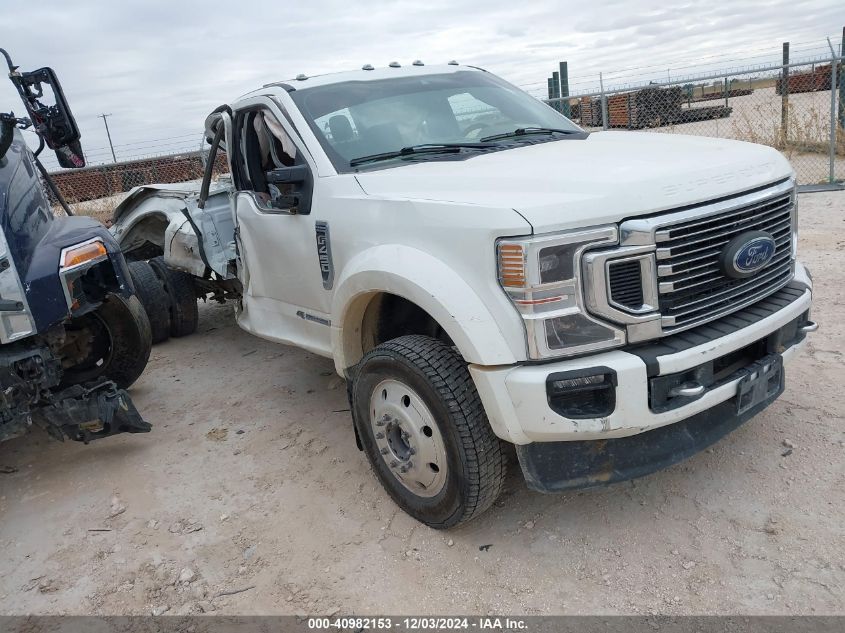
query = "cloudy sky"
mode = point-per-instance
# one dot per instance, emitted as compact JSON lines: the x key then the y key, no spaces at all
{"x":158,"y":67}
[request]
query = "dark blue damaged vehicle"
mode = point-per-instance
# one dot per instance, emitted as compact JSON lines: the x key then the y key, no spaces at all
{"x":73,"y":335}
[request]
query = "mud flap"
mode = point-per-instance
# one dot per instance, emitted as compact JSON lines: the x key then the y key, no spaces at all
{"x":90,"y":412}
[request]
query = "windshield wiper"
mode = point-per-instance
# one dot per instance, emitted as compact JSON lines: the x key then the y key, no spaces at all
{"x":426,"y":148}
{"x":525,"y":131}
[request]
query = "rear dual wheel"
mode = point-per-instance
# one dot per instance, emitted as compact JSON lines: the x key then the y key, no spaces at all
{"x":168,"y":296}
{"x":153,"y":297}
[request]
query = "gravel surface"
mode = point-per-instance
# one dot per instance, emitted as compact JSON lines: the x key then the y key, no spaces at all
{"x":250,"y":497}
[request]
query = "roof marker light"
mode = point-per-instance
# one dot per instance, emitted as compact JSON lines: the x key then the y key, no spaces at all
{"x":418,"y":62}
{"x":453,"y":63}
{"x":395,"y":65}
{"x":301,"y":77}
{"x":367,"y":67}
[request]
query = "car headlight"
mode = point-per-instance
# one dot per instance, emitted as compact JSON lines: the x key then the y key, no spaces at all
{"x":541,"y":275}
{"x":74,"y":262}
{"x":88,"y":252}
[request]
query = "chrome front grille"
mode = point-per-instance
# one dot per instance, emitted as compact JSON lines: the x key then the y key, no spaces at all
{"x":692,"y":288}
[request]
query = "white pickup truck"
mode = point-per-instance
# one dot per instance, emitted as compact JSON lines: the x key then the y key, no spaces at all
{"x":483,"y":272}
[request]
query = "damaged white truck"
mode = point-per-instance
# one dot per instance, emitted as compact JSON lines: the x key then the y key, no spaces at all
{"x":483,"y":272}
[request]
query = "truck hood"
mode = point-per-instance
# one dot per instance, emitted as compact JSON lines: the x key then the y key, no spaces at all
{"x":606,"y":177}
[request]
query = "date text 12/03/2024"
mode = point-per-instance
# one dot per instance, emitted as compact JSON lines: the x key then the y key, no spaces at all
{"x":418,"y":623}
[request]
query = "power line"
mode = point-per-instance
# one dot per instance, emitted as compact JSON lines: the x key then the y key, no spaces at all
{"x":154,"y":140}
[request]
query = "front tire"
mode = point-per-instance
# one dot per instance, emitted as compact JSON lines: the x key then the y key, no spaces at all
{"x":425,"y":433}
{"x":117,"y":343}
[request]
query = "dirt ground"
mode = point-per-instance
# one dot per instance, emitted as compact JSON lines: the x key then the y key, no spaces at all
{"x":251,"y":482}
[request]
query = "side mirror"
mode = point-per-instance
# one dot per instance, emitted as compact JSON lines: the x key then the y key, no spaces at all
{"x":298,"y":189}
{"x":53,"y":122}
{"x":295,"y":175}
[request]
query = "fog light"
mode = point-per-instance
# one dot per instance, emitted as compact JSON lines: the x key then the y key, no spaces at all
{"x":590,"y":393}
{"x":578,"y":330}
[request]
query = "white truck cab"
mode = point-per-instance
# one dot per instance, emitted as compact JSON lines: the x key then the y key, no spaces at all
{"x":483,"y":272}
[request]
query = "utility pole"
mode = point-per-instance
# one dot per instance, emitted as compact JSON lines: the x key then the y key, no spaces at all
{"x":106,"y":123}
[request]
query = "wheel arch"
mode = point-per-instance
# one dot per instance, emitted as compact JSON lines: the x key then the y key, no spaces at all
{"x":423,"y":281}
{"x":157,"y":225}
{"x":145,"y":223}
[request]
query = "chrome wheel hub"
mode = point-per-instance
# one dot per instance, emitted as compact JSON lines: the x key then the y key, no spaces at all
{"x":408,"y":438}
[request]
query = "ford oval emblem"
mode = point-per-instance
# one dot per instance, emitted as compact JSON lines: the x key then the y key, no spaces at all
{"x":747,"y":253}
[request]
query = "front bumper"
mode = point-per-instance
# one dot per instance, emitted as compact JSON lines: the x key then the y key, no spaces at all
{"x":558,"y":466}
{"x":517,"y":403}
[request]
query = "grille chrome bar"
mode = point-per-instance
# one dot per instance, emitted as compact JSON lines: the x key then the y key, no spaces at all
{"x":780,"y":234}
{"x":667,"y":253}
{"x":715,"y":275}
{"x":752,"y":211}
{"x":780,"y":214}
{"x":681,"y":308}
{"x":692,"y":285}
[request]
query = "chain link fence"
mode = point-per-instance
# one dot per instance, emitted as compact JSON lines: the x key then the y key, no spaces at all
{"x":96,"y":191}
{"x":796,"y":108}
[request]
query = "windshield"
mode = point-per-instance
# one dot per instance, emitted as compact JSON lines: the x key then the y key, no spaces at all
{"x":356,"y":119}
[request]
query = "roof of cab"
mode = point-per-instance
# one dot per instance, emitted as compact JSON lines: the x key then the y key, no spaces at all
{"x":387,"y":72}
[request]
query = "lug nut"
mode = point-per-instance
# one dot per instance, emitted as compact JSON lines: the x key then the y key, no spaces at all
{"x":384,"y":451}
{"x":412,"y":451}
{"x":379,"y":436}
{"x":394,"y":464}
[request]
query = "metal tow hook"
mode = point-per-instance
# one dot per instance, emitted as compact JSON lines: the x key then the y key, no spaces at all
{"x":809,"y":326}
{"x":687,"y":389}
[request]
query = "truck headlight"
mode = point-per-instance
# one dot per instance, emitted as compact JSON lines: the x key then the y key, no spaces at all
{"x":542,"y":277}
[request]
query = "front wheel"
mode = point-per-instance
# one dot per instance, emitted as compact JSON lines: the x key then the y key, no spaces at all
{"x":425,"y":433}
{"x":111,"y":343}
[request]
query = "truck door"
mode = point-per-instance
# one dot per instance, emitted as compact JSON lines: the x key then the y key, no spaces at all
{"x":277,"y":239}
